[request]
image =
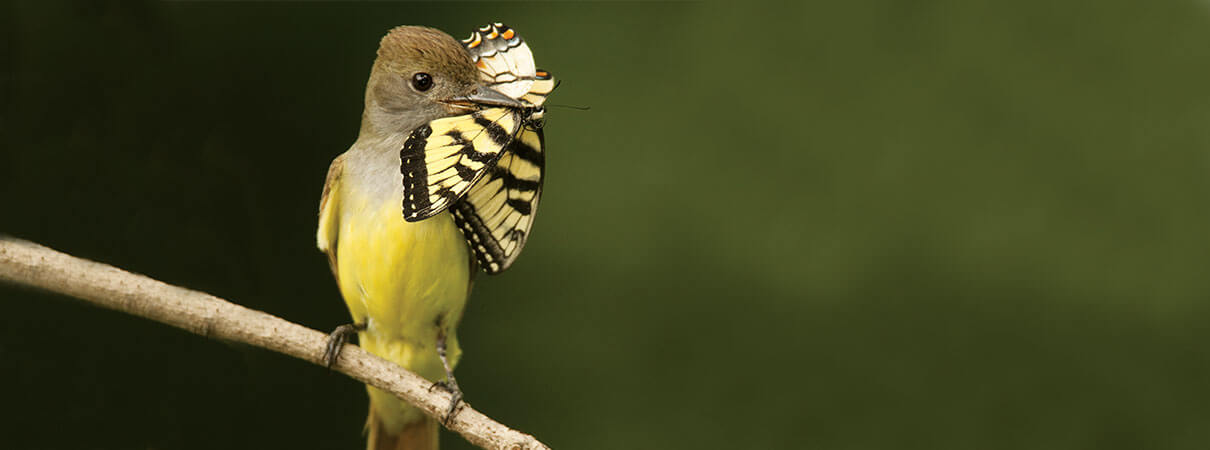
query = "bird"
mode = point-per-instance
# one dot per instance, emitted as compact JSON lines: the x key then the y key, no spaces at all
{"x":442,"y":181}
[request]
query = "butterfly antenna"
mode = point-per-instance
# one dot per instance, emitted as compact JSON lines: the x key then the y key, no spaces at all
{"x":578,"y":108}
{"x":552,"y":91}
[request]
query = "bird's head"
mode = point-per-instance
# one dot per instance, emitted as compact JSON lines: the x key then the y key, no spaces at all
{"x":421,"y":75}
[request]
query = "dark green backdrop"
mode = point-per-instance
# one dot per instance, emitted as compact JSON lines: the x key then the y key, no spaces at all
{"x":850,"y":225}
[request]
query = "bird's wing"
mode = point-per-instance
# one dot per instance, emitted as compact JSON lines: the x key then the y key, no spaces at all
{"x":328,"y":218}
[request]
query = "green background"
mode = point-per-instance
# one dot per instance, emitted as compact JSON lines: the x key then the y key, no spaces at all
{"x":845,"y":225}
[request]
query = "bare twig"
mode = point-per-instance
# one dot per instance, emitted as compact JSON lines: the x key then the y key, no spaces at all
{"x":29,"y":264}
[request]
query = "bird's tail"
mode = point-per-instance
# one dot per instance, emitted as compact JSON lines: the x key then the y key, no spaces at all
{"x":419,"y":435}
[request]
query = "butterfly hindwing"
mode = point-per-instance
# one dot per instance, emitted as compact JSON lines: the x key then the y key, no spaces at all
{"x":441,"y":160}
{"x":543,"y":84}
{"x":503,"y":59}
{"x":498,"y":212}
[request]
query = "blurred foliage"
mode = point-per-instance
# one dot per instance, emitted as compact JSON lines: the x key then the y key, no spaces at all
{"x":843,"y":225}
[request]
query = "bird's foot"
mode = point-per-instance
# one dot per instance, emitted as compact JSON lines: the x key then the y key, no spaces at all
{"x":337,"y":340}
{"x":455,"y":398}
{"x":450,"y":384}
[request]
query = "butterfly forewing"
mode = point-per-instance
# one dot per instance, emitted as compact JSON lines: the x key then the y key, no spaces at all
{"x":498,"y":212}
{"x":441,"y":160}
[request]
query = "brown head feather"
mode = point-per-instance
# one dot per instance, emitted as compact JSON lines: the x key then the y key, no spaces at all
{"x":392,"y":104}
{"x":408,"y":48}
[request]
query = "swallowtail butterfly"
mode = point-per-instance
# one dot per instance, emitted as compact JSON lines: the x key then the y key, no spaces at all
{"x":486,"y":166}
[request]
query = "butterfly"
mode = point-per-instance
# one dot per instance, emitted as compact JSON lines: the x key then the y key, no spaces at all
{"x":486,"y":167}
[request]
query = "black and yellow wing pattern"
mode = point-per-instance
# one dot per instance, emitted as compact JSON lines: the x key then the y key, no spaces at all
{"x":441,"y":160}
{"x":498,"y":212}
{"x":487,"y":166}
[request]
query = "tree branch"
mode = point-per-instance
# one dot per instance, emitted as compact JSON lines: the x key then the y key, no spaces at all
{"x":29,"y":264}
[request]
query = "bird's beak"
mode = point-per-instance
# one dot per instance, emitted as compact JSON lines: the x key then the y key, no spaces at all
{"x":485,"y":96}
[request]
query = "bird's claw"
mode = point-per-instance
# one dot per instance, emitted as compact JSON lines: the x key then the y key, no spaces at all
{"x":336,"y":341}
{"x":455,"y":399}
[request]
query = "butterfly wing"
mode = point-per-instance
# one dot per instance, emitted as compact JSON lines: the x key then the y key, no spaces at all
{"x":507,"y":64}
{"x":503,"y":58}
{"x":543,"y":84}
{"x":498,"y":212}
{"x":444,"y":158}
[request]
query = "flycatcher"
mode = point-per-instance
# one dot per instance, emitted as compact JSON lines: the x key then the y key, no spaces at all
{"x":444,"y":178}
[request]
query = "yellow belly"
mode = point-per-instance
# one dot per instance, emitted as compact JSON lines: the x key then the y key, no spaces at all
{"x":407,"y":282}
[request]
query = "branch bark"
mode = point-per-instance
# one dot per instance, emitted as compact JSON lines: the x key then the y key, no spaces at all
{"x":29,"y":264}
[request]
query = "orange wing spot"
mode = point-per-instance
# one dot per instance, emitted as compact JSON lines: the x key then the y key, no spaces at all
{"x":481,"y":64}
{"x":476,"y":42}
{"x":542,"y":73}
{"x":508,"y":34}
{"x":493,"y":35}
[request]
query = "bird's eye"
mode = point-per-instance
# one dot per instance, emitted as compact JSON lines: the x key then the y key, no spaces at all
{"x":422,"y":81}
